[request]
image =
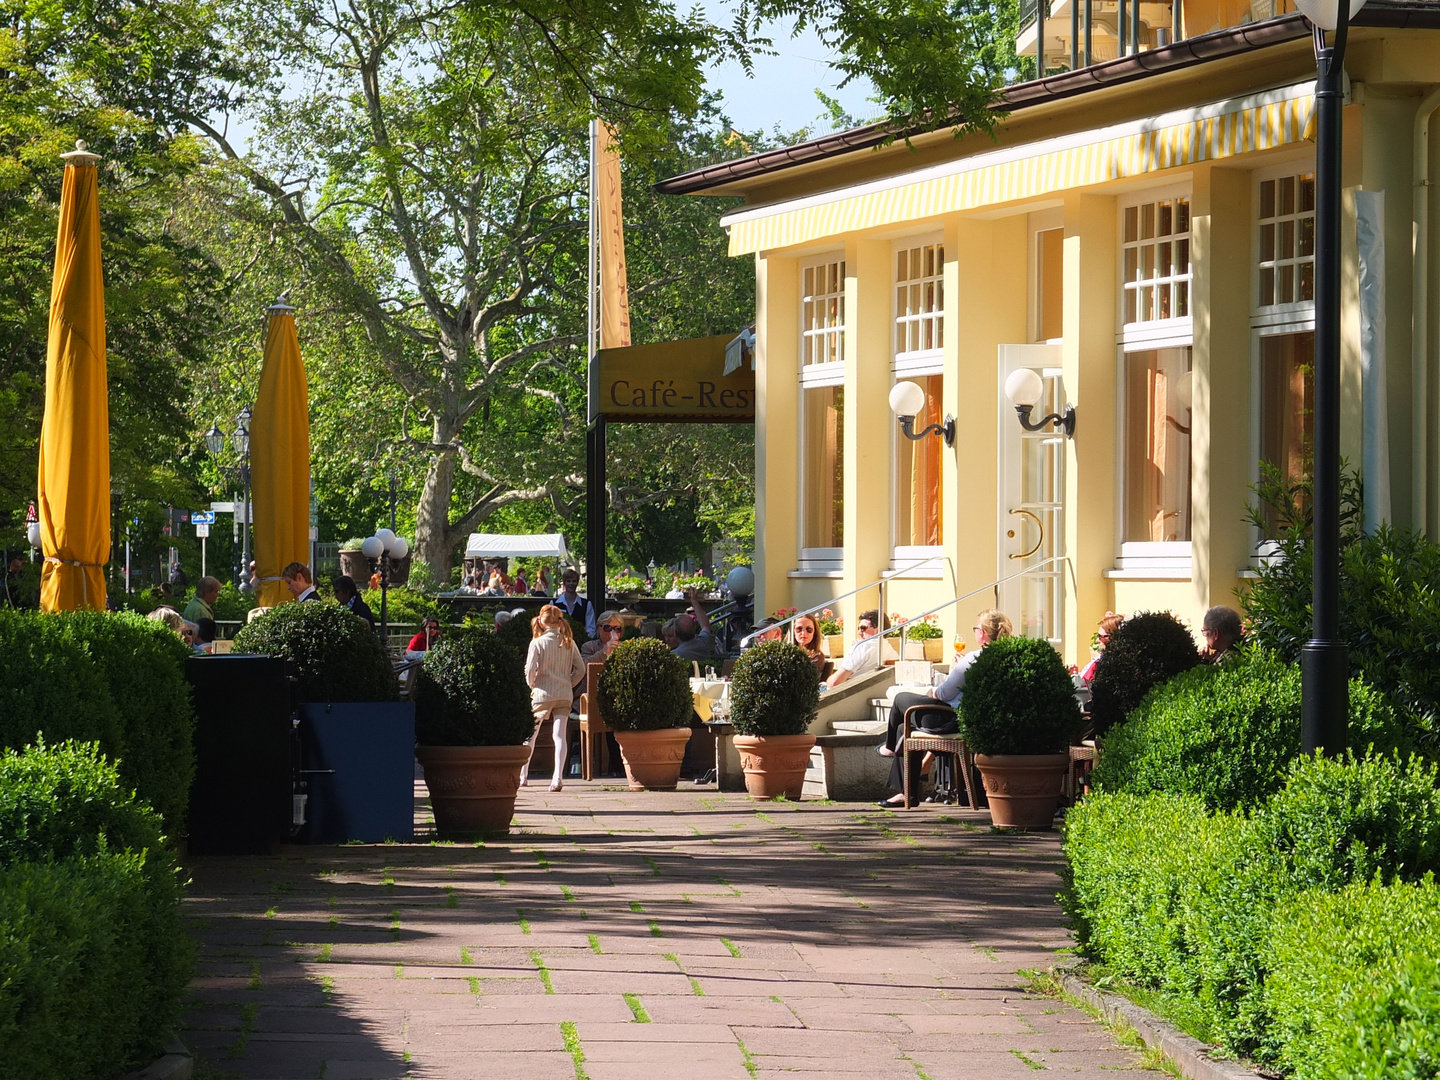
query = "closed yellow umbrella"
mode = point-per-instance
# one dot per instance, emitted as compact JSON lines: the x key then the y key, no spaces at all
{"x":280,"y":459}
{"x":74,"y":476}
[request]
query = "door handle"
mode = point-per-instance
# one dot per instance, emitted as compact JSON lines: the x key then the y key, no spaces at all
{"x":1039,"y":525}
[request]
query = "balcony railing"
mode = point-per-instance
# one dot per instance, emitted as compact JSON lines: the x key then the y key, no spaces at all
{"x":1070,"y":34}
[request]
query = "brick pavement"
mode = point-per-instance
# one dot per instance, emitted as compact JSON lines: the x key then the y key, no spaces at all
{"x":617,"y":936}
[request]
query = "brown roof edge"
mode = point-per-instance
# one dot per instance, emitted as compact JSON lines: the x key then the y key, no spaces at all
{"x":1181,"y":54}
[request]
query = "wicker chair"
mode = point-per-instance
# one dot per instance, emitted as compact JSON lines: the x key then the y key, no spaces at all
{"x":924,"y":741}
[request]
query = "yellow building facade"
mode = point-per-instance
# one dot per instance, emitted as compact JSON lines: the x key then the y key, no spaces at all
{"x":1139,"y":234}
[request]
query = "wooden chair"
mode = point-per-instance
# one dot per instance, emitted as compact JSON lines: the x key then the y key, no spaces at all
{"x":592,"y":726}
{"x":923,"y":741}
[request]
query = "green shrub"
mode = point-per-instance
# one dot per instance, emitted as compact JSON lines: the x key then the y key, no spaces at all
{"x":471,"y":692}
{"x":143,"y":664}
{"x":336,"y":655}
{"x":775,"y":690}
{"x":1145,"y":650}
{"x":1354,"y":983}
{"x":232,"y":604}
{"x":1227,"y":734}
{"x":1019,"y":699}
{"x":1389,"y":598}
{"x":1338,"y":821}
{"x":93,"y":957}
{"x":405,"y":605}
{"x":644,"y":688}
{"x":51,"y":685}
{"x":517,"y":634}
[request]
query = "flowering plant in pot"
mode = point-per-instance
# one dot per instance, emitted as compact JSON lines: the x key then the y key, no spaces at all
{"x":644,"y":696}
{"x":472,"y":721}
{"x":1019,"y":716}
{"x":773,"y":699}
{"x":927,"y":638}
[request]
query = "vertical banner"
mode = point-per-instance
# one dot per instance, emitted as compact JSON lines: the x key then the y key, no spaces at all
{"x":614,"y":289}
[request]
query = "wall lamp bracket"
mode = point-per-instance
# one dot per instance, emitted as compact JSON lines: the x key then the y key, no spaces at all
{"x":1064,"y":421}
{"x":945,"y":429}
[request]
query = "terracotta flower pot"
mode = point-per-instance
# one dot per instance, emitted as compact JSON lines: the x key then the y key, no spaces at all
{"x":774,"y":764}
{"x":472,"y":788}
{"x":1023,"y":789}
{"x":652,"y":758}
{"x":355,"y":566}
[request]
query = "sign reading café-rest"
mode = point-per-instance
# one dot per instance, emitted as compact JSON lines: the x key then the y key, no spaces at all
{"x":675,"y":382}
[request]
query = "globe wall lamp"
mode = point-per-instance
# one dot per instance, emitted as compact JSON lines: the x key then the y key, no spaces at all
{"x":1324,"y":659}
{"x":388,"y":548}
{"x":1024,"y":388}
{"x":907,"y":399}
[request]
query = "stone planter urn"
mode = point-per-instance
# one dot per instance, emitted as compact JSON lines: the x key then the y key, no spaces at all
{"x":355,"y":566}
{"x":1023,"y":789}
{"x":472,"y":788}
{"x":775,"y":765}
{"x":653,"y":758}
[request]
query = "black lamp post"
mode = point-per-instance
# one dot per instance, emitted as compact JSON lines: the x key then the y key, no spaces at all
{"x":240,"y":439}
{"x":1324,"y":659}
{"x":388,"y":548}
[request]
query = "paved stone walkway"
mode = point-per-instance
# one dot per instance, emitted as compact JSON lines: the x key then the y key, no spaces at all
{"x":617,"y":936}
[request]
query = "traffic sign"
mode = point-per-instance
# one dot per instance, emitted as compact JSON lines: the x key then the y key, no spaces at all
{"x":202,"y":517}
{"x":202,"y":530}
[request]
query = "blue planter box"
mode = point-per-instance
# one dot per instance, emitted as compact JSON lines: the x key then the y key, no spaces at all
{"x":358,"y":760}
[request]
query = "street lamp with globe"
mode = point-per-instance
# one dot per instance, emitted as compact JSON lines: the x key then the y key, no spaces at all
{"x":388,"y":548}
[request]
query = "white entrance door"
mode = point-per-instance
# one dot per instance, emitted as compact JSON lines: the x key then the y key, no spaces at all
{"x":1032,"y":501}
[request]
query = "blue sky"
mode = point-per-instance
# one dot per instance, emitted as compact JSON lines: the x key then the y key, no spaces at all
{"x":783,"y":88}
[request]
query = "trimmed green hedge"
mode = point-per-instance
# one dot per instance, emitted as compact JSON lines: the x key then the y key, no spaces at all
{"x":471,"y":692}
{"x":1019,"y":699}
{"x":1227,"y":734}
{"x":644,"y":687}
{"x":93,"y":957}
{"x":118,"y":680}
{"x":776,"y":690}
{"x":1185,"y":901}
{"x":1145,"y":650}
{"x":337,"y":656}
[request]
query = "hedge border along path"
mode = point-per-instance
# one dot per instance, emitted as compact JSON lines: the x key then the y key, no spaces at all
{"x":1190,"y":1055}
{"x":177,"y":1063}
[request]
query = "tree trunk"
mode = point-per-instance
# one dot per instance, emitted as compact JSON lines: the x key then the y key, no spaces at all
{"x":433,"y":543}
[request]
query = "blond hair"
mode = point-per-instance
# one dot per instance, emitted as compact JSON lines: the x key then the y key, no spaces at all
{"x":551,"y":617}
{"x":995,"y":623}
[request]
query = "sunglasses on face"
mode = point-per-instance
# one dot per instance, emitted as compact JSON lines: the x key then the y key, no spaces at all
{"x":866,"y":626}
{"x":611,"y":629}
{"x":804,"y":630}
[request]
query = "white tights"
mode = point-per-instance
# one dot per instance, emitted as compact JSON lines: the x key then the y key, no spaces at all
{"x":558,"y":713}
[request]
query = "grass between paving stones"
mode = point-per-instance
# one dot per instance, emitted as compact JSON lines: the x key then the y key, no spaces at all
{"x":919,"y":1070}
{"x":539,"y":962}
{"x":636,"y":1009}
{"x":540,"y":860}
{"x":254,"y":983}
{"x":395,"y":924}
{"x":465,"y":957}
{"x":733,"y":949}
{"x":524,"y":922}
{"x":1028,"y":1062}
{"x":247,"y":1025}
{"x":654,"y":866}
{"x":1047,"y":984}
{"x":727,"y":885}
{"x":577,"y":1053}
{"x":324,"y":957}
{"x":566,"y":893}
{"x":750,"y":1064}
{"x":695,"y":987}
{"x":451,"y":900}
{"x":594,"y":944}
{"x":474,"y":982}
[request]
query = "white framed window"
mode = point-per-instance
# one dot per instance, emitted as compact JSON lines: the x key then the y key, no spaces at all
{"x":919,"y":311}
{"x":917,"y":355}
{"x":1285,"y":238}
{"x":1153,"y":514}
{"x":822,"y":312}
{"x":1155,"y":272}
{"x":821,"y":426}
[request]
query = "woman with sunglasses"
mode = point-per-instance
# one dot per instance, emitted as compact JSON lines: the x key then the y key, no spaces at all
{"x":610,"y":630}
{"x":805,"y":632}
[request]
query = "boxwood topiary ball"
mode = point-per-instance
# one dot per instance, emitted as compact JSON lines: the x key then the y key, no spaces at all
{"x":644,"y":687}
{"x":472,"y":692}
{"x":1019,"y":700}
{"x":1146,"y":649}
{"x":336,"y":655}
{"x":775,"y":690}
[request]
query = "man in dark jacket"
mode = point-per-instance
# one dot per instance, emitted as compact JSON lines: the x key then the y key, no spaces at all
{"x":349,"y":597}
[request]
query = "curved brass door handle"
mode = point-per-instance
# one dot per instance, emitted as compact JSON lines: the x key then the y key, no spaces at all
{"x":1039,"y":525}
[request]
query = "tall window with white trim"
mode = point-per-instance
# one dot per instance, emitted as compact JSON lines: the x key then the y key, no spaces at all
{"x":1287,"y":240}
{"x":821,"y":427}
{"x":1156,"y":257}
{"x":918,"y":356}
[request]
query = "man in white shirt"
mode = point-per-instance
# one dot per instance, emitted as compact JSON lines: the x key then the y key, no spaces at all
{"x":297,"y":580}
{"x":572,"y":603}
{"x":864,"y":655}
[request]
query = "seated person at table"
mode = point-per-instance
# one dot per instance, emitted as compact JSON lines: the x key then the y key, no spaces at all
{"x":1222,"y":631}
{"x":864,"y":655}
{"x":425,"y":640}
{"x":611,"y":630}
{"x":805,"y":632}
{"x":991,"y":625}
{"x":764,"y":630}
{"x":348,"y":597}
{"x":692,"y":633}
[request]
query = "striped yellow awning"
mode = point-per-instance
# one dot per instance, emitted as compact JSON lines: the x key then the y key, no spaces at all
{"x":1223,"y":130}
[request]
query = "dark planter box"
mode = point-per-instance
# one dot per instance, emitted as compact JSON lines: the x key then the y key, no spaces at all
{"x":358,"y":761}
{"x":240,"y":801}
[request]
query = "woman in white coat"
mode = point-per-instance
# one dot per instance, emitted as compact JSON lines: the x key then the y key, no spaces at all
{"x":552,"y":669}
